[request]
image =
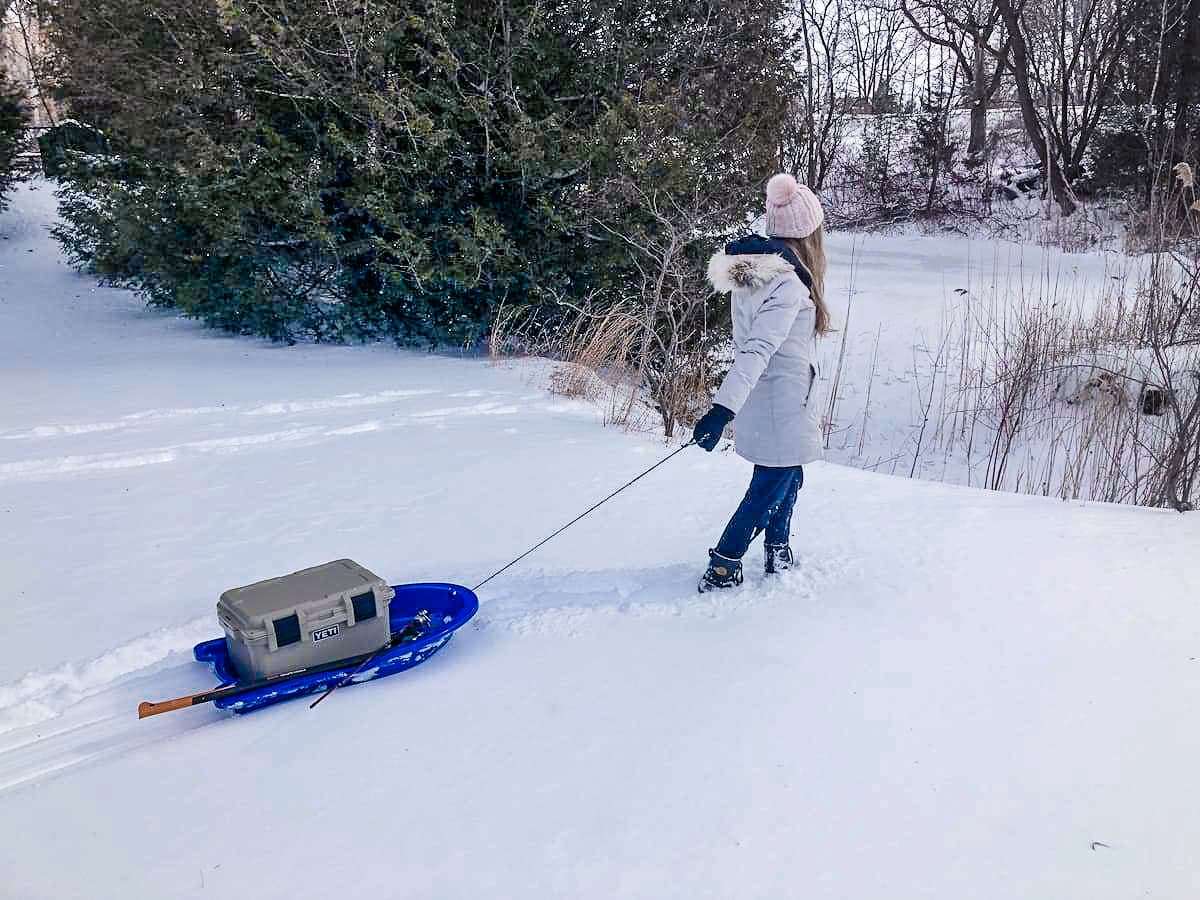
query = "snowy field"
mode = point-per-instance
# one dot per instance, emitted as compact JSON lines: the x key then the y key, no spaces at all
{"x":959,"y":694}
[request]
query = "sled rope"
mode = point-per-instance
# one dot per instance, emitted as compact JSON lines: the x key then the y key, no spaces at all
{"x":366,"y":662}
{"x":591,"y":509}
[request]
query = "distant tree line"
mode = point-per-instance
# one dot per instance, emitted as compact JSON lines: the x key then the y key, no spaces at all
{"x":1108,"y":91}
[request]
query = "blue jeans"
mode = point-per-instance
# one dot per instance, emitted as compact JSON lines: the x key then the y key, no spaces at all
{"x":767,"y":507}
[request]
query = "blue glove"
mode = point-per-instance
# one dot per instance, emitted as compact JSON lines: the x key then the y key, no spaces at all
{"x":708,"y":430}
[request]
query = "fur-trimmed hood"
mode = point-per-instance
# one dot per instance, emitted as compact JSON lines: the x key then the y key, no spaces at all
{"x":729,"y":272}
{"x":752,"y":262}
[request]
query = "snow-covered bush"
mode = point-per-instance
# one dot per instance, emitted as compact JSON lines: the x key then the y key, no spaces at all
{"x":1141,"y":379}
{"x":95,"y":196}
{"x":71,"y":146}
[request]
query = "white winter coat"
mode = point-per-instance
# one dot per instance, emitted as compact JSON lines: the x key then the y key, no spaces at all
{"x":770,"y":384}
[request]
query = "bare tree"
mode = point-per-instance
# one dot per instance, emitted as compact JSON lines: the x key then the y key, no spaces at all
{"x":819,"y":119}
{"x":658,"y":333}
{"x":971,"y":31}
{"x":23,"y":48}
{"x":1065,"y":58}
{"x":880,"y":47}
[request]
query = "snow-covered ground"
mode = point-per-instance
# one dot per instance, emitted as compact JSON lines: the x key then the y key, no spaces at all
{"x":958,"y":694}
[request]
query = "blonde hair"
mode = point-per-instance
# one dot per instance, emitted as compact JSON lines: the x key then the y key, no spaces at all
{"x":811,"y":251}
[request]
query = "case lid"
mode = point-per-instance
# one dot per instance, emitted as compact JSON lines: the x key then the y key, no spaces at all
{"x":309,"y":592}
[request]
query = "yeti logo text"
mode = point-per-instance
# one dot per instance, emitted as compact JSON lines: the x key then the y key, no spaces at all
{"x":331,"y":631}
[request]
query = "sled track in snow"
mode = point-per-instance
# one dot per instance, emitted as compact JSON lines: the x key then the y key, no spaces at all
{"x":151,"y":416}
{"x":47,"y":751}
{"x":52,"y":722}
{"x":59,"y":719}
{"x":39,"y":697}
{"x":255,"y":411}
{"x":160,"y":453}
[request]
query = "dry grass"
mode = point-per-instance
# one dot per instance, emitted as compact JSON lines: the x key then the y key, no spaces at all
{"x":600,"y":355}
{"x":1052,"y":398}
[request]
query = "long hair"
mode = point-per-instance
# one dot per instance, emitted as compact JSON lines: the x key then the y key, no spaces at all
{"x":811,"y":251}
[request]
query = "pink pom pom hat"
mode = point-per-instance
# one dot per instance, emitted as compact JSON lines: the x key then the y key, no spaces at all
{"x":792,"y":209}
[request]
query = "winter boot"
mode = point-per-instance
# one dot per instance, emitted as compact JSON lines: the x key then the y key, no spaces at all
{"x":722,"y":573}
{"x":776,"y":558}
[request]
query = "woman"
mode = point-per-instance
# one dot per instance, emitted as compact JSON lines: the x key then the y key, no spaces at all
{"x":778,"y":307}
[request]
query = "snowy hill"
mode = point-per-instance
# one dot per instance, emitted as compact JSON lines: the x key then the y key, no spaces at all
{"x":959,"y":693}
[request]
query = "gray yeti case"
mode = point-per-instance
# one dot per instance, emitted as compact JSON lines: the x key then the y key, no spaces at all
{"x":318,"y":615}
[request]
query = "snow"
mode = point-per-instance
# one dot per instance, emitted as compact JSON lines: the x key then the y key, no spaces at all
{"x":900,"y":303}
{"x":957,"y":694}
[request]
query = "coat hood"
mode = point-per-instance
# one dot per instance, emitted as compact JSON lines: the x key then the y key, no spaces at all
{"x":753,"y":261}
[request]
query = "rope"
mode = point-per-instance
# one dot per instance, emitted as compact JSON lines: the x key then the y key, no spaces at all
{"x":586,"y":512}
{"x":363,"y":665}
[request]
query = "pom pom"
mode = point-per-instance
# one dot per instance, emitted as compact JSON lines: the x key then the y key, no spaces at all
{"x":781,"y":189}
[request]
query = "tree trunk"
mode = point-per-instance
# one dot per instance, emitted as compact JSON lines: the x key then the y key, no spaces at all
{"x":1033,"y":126}
{"x":977,"y":145}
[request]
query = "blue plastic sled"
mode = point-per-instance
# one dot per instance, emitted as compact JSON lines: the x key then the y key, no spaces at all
{"x":449,"y":605}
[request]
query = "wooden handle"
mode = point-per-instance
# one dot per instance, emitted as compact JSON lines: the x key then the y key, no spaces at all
{"x":146,"y":708}
{"x":357,"y":663}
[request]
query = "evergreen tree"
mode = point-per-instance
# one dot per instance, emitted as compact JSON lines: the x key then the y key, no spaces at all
{"x":14,"y":120}
{"x":338,"y":170}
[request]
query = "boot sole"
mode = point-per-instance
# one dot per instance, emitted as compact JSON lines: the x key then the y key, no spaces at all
{"x":705,"y":587}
